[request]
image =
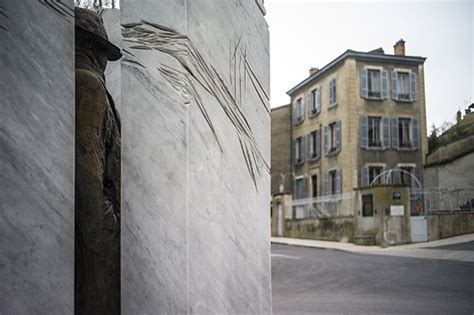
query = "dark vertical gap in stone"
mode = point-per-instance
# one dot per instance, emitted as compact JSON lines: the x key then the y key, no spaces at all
{"x":97,"y":181}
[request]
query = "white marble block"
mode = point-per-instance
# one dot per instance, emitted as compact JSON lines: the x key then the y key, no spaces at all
{"x":195,"y":157}
{"x":36,"y":157}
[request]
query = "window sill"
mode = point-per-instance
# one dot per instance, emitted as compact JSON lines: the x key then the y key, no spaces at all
{"x":299,"y":122}
{"x":374,"y":98}
{"x":299,"y":163}
{"x":376,"y":148}
{"x":332,"y":152}
{"x":314,"y":159}
{"x":311,"y":115}
{"x":403,"y":101}
{"x":332,"y":105}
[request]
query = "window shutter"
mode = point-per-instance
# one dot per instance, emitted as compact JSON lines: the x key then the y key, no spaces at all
{"x":364,"y":141}
{"x":303,"y":108}
{"x":334,"y":94}
{"x":304,"y":188}
{"x":293,"y":152}
{"x":331,"y":92}
{"x":384,"y":76}
{"x":364,"y":176}
{"x":394,"y":122}
{"x":386,"y":132}
{"x":309,"y":146}
{"x":413,"y":86}
{"x":318,"y":100}
{"x":415,"y":133}
{"x":310,"y":104}
{"x":338,"y":181}
{"x":318,"y":144}
{"x":295,"y":112}
{"x":363,"y":83}
{"x":338,"y":136}
{"x":325,"y":140}
{"x":325,"y":183}
{"x":303,"y":148}
{"x":394,"y":85}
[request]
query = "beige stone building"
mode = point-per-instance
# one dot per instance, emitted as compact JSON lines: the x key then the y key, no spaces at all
{"x":281,"y":149}
{"x":358,"y":116}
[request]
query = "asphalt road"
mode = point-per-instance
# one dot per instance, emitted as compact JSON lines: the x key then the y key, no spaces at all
{"x":321,"y":281}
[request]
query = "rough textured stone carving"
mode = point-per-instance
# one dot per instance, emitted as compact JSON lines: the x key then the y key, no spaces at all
{"x":97,"y":170}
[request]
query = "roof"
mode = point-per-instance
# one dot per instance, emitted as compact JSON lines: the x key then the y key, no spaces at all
{"x":374,"y":55}
{"x":280,"y":107}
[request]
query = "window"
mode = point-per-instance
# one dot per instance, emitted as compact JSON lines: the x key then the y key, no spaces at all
{"x":332,"y":92}
{"x":375,"y":171}
{"x":370,"y":176}
{"x":405,"y":133}
{"x":403,"y":86}
{"x":314,"y":186}
{"x":374,"y":132}
{"x":332,"y":182}
{"x":374,"y":83}
{"x":404,"y":139}
{"x":300,"y":188}
{"x":332,"y":138}
{"x":367,"y":205}
{"x":299,"y":150}
{"x":315,"y":145}
{"x":405,"y":175}
{"x":298,"y":110}
{"x":315,"y":106}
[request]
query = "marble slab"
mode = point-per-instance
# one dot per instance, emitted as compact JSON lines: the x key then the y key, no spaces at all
{"x":36,"y":157}
{"x":195,"y":177}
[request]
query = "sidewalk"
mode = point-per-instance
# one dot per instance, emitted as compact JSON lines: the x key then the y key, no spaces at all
{"x":417,"y":250}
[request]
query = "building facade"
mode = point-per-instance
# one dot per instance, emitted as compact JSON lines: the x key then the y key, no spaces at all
{"x":360,"y":115}
{"x":281,"y":149}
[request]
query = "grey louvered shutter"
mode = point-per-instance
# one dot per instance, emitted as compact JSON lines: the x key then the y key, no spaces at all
{"x":364,"y":140}
{"x":309,"y":146}
{"x":384,"y":75}
{"x":394,"y":86}
{"x":394,"y":133}
{"x":386,"y":132}
{"x":294,"y":111}
{"x":415,"y":133}
{"x":363,"y":83}
{"x":364,"y":176}
{"x":413,"y":86}
{"x":338,"y":182}
{"x":303,"y":148}
{"x":325,"y":183}
{"x":303,"y":108}
{"x":318,"y":144}
{"x":325,"y":140}
{"x":309,"y":107}
{"x":293,"y":152}
{"x":338,"y":136}
{"x":304,"y":188}
{"x":318,"y":100}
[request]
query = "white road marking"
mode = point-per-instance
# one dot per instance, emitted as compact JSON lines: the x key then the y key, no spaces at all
{"x":285,"y":256}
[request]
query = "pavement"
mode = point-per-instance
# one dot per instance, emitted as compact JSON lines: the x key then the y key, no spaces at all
{"x":458,"y":248}
{"x":354,"y":280}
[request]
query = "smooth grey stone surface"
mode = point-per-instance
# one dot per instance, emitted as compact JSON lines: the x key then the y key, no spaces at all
{"x":36,"y":157}
{"x":195,"y":157}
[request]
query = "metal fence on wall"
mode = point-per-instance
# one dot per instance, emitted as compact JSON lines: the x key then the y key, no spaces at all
{"x":323,"y":207}
{"x":449,"y":199}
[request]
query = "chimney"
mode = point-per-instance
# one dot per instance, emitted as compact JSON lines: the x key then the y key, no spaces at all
{"x":458,"y":116}
{"x":313,"y":70}
{"x":399,"y":48}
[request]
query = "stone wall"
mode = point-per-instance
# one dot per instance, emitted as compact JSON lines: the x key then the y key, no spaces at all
{"x":443,"y":225}
{"x":196,"y":157}
{"x":339,"y":229}
{"x":37,"y":157}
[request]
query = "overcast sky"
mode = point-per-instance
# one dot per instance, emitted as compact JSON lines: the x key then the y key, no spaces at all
{"x":306,"y":34}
